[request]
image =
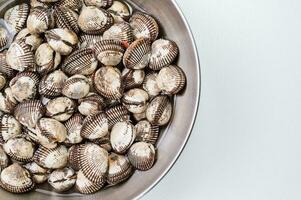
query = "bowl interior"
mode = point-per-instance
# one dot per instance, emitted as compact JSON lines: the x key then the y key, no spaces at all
{"x":174,"y":137}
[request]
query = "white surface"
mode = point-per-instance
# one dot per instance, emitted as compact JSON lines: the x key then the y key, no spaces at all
{"x":246,"y":143}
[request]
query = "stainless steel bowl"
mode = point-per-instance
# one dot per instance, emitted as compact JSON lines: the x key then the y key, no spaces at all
{"x":175,"y":136}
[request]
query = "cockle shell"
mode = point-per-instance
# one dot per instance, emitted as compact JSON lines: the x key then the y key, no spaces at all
{"x":51,"y":84}
{"x":74,"y":126}
{"x":116,"y":114}
{"x":82,"y":61}
{"x":93,"y":20}
{"x":144,"y":26}
{"x":137,"y":54}
{"x":103,"y":142}
{"x":88,"y":40}
{"x":51,"y":158}
{"x":4,"y":159}
{"x":61,"y":40}
{"x":29,"y":112}
{"x":142,"y":155}
{"x":91,"y":104}
{"x":66,"y":18}
{"x":150,"y":84}
{"x":17,"y":16}
{"x":171,"y":79}
{"x":107,"y":81}
{"x":85,"y":186}
{"x":24,"y":86}
{"x":5,"y":68}
{"x":9,"y":127}
{"x":120,"y":31}
{"x":39,"y":174}
{"x":109,"y":52}
{"x":132,"y":78}
{"x":40,"y":20}
{"x":47,"y":59}
{"x":2,"y":80}
{"x":76,"y":87}
{"x":95,"y":126}
{"x":135,"y":100}
{"x":4,"y":37}
{"x":139,"y":116}
{"x":61,"y":108}
{"x":146,"y":132}
{"x":122,"y":136}
{"x":164,"y":52}
{"x":159,"y":111}
{"x":120,"y":169}
{"x":49,"y":1}
{"x":99,"y":3}
{"x":120,"y":10}
{"x":72,"y":4}
{"x":33,"y":40}
{"x":7,"y":101}
{"x":62,"y":179}
{"x":37,"y":3}
{"x":16,"y":179}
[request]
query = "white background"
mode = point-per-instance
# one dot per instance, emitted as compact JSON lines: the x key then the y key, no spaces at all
{"x":246,"y":144}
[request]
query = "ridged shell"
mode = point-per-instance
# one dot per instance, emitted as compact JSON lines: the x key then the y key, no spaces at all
{"x":99,"y":3}
{"x":150,"y":84}
{"x":62,"y":179}
{"x":40,"y":20}
{"x":142,"y":155}
{"x":47,"y":59}
{"x":107,"y":81}
{"x":93,"y":20}
{"x":109,"y":52}
{"x":88,"y":41}
{"x":52,"y":84}
{"x":85,"y":186}
{"x":31,"y":133}
{"x":74,"y":155}
{"x":39,"y":174}
{"x":120,"y":10}
{"x":164,"y":52}
{"x":76,"y":87}
{"x":19,"y":56}
{"x":120,"y":169}
{"x":16,"y":179}
{"x":19,"y":149}
{"x":137,"y":54}
{"x":132,"y":78}
{"x":33,"y":40}
{"x":4,"y":159}
{"x":2,"y":81}
{"x":159,"y":111}
{"x":62,"y":40}
{"x":49,"y":1}
{"x":66,"y":18}
{"x":4,"y":37}
{"x":4,"y":67}
{"x":95,"y":126}
{"x":17,"y":16}
{"x":7,"y":101}
{"x":104,"y":143}
{"x":51,"y":158}
{"x":120,"y":31}
{"x":171,"y":79}
{"x":122,"y":136}
{"x":29,"y":112}
{"x":37,"y":3}
{"x":61,"y":108}
{"x":91,"y":105}
{"x":116,"y":114}
{"x":82,"y":61}
{"x":135,"y":100}
{"x":144,"y":26}
{"x":9,"y":127}
{"x":24,"y":86}
{"x":74,"y":126}
{"x":72,"y":4}
{"x":146,"y":132}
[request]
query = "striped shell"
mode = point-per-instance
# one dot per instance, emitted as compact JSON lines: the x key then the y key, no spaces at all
{"x":24,"y":86}
{"x":76,"y":87}
{"x":132,"y":78}
{"x":88,"y":41}
{"x":19,"y":149}
{"x":91,"y":105}
{"x":146,"y":132}
{"x":4,"y":159}
{"x":120,"y":169}
{"x":116,"y":114}
{"x":171,"y":79}
{"x":107,"y":81}
{"x":99,"y":3}
{"x":135,"y":100}
{"x":61,"y":108}
{"x":137,"y":54}
{"x":120,"y":31}
{"x":39,"y":174}
{"x":85,"y":186}
{"x":47,"y":59}
{"x":109,"y":52}
{"x":93,"y":20}
{"x":49,"y":1}
{"x":144,"y":26}
{"x":29,"y":112}
{"x":2,"y":81}
{"x":66,"y":18}
{"x":95,"y":126}
{"x":5,"y":68}
{"x":61,"y":40}
{"x":19,"y":56}
{"x":51,"y":158}
{"x":72,"y":4}
{"x":7,"y":101}
{"x":16,"y":179}
{"x":164,"y":52}
{"x":103,"y":142}
{"x":17,"y":16}
{"x":159,"y":111}
{"x":51,"y":84}
{"x":142,"y":155}
{"x":40,"y":20}
{"x":122,"y":136}
{"x":74,"y":155}
{"x":150,"y":84}
{"x":74,"y":126}
{"x":9,"y":127}
{"x":62,"y":179}
{"x":120,"y":10}
{"x":37,"y":3}
{"x":82,"y":61}
{"x":4,"y":37}
{"x":33,"y":40}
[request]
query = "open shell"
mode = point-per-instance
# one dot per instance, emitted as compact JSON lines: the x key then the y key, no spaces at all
{"x":17,"y":16}
{"x":120,"y":31}
{"x":40,"y":20}
{"x":61,"y":108}
{"x":76,"y":87}
{"x":62,"y":179}
{"x":9,"y":127}
{"x":39,"y":174}
{"x":135,"y":100}
{"x":95,"y":126}
{"x":120,"y":169}
{"x":146,"y":132}
{"x":74,"y":126}
{"x":47,"y":59}
{"x":91,"y":105}
{"x":66,"y":18}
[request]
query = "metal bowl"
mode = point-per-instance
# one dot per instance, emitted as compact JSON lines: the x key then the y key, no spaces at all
{"x":175,"y":136}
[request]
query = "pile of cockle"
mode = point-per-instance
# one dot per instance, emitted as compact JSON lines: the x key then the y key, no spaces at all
{"x":85,"y":87}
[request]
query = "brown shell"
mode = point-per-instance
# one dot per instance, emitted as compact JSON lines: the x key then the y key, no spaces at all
{"x":116,"y":114}
{"x":81,"y":61}
{"x":144,"y":26}
{"x":95,"y":126}
{"x":95,"y":104}
{"x":120,"y":31}
{"x":40,"y":19}
{"x":88,"y":41}
{"x":99,"y":4}
{"x":103,"y":142}
{"x":135,"y":100}
{"x":52,"y":84}
{"x":137,"y":54}
{"x":4,"y":159}
{"x":19,"y":149}
{"x":4,"y":37}
{"x":9,"y":127}
{"x":60,"y":108}
{"x":132,"y":78}
{"x":72,"y":4}
{"x":74,"y":126}
{"x":120,"y":10}
{"x":120,"y":169}
{"x":37,"y":3}
{"x":7,"y":101}
{"x":85,"y":186}
{"x":17,"y":16}
{"x":66,"y":18}
{"x":74,"y":155}
{"x":146,"y":132}
{"x":39,"y":174}
{"x":5,"y":68}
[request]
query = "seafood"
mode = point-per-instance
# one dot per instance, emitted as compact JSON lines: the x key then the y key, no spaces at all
{"x":91,"y":104}
{"x":159,"y":111}
{"x":62,"y":179}
{"x":17,"y":16}
{"x":40,"y":19}
{"x":135,"y":100}
{"x":47,"y":59}
{"x":61,"y":108}
{"x":19,"y":149}
{"x":95,"y":126}
{"x":76,"y":87}
{"x":120,"y":169}
{"x":39,"y":174}
{"x":74,"y":126}
{"x":146,"y":132}
{"x":132,"y":78}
